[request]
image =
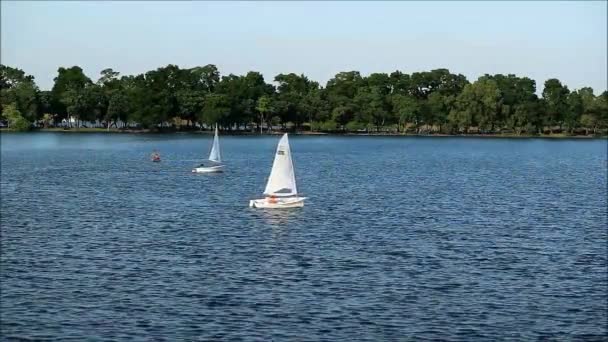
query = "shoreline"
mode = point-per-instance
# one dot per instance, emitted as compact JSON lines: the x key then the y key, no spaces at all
{"x":308,"y":133}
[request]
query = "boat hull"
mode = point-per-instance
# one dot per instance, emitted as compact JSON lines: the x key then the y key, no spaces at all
{"x":211,"y":169}
{"x":278,"y":203}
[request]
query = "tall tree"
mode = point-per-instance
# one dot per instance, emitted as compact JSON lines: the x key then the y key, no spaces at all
{"x":264,"y":107}
{"x":68,"y":82}
{"x":215,"y":110}
{"x":15,"y":120}
{"x":574,"y":111}
{"x":19,"y":89}
{"x":316,"y":107}
{"x":477,"y":105}
{"x":406,"y":109}
{"x":556,"y":99}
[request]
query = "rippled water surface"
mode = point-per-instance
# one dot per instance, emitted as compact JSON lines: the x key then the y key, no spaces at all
{"x":401,"y":238}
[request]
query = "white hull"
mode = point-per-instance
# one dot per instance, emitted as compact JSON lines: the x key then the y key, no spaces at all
{"x":278,"y":203}
{"x":211,"y":169}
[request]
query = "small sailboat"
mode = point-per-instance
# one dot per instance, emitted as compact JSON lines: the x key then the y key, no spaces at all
{"x":215,"y":158}
{"x":281,"y":191}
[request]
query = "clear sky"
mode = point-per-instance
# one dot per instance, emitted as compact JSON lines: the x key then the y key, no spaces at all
{"x":566,"y":40}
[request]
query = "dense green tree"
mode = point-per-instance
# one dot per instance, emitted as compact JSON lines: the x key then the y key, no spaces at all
{"x":15,"y":120}
{"x":342,"y":115}
{"x":109,"y":79}
{"x":477,"y":105}
{"x":372,"y":107}
{"x":514,"y":92}
{"x":439,"y":107}
{"x":205,"y":78}
{"x":556,"y":99}
{"x":574,"y":112}
{"x":24,"y":96}
{"x":68,"y":82}
{"x":400,"y":83}
{"x":264,"y":107}
{"x":118,"y":108}
{"x":215,"y":110}
{"x":189,"y":104}
{"x":19,"y":90}
{"x":406,"y":109}
{"x":45,"y":103}
{"x":343,"y":87}
{"x":316,"y":107}
{"x":10,"y":77}
{"x":79,"y":103}
{"x":293,"y":103}
{"x":379,"y":81}
{"x":435,"y":100}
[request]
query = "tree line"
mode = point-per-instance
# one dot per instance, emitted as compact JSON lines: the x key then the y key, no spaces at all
{"x":435,"y":101}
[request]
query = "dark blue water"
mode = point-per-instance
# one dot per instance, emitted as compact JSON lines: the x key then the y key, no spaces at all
{"x":401,"y":238}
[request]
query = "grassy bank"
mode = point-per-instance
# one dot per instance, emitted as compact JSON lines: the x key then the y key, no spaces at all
{"x":241,"y":132}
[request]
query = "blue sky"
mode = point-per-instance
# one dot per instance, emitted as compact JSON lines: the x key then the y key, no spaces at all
{"x":566,"y":40}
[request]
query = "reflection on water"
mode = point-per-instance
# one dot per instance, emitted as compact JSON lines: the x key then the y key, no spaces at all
{"x":278,"y":218}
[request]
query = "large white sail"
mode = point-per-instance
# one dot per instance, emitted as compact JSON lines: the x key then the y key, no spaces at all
{"x":215,"y":155}
{"x":282,"y":180}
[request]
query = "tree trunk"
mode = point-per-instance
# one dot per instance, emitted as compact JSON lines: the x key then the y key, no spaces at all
{"x":261,"y":123}
{"x":310,"y":122}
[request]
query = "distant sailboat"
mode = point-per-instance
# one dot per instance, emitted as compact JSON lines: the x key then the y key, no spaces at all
{"x":281,"y":190}
{"x":215,"y":158}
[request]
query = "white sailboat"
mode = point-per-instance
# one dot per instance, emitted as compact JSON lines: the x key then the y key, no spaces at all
{"x":281,"y":190}
{"x":215,"y":158}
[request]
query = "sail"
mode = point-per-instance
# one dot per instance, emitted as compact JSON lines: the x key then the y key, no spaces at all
{"x":282,"y":180}
{"x":215,"y":149}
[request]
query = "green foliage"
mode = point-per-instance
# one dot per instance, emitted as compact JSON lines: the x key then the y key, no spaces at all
{"x":118,"y":107}
{"x":68,"y":80}
{"x":215,"y":109}
{"x":589,"y":121}
{"x":328,"y":126}
{"x":19,"y":89}
{"x":436,"y":100}
{"x":477,"y":105}
{"x":342,"y":115}
{"x":356,"y":126}
{"x":556,"y":99}
{"x":47,"y":119}
{"x":264,"y":104}
{"x":15,"y":120}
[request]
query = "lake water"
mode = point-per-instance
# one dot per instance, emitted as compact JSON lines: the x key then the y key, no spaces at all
{"x":401,"y":238}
